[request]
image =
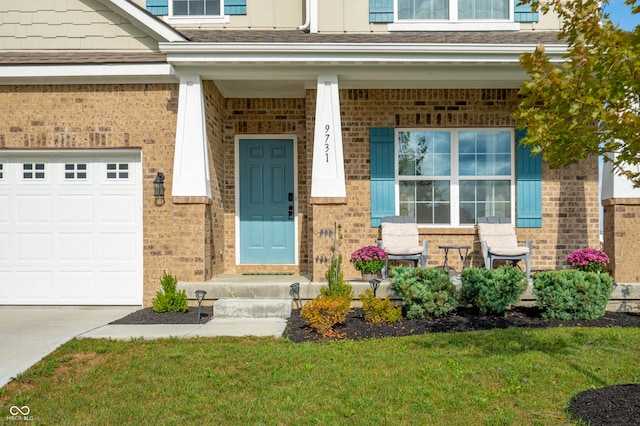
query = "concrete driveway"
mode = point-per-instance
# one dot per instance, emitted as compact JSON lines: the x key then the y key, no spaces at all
{"x":27,"y":334}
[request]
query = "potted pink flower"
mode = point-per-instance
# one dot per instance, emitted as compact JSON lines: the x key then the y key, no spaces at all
{"x":588,"y":260}
{"x":369,"y":261}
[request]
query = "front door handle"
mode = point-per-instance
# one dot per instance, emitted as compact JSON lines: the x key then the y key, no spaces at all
{"x":290,"y":213}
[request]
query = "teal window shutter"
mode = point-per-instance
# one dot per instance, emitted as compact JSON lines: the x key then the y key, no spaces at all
{"x":523,"y":13}
{"x":381,"y":152}
{"x":380,"y":11}
{"x":528,"y":185}
{"x":158,"y":7}
{"x":235,"y":7}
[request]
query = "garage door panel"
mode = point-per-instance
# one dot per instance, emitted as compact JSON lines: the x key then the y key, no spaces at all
{"x":76,"y":247}
{"x":77,"y":286}
{"x":75,"y":209}
{"x":118,"y":209}
{"x":119,"y":285}
{"x":5,"y":247}
{"x":35,"y":286}
{"x":33,"y":209}
{"x":34,"y":247}
{"x":118,"y":247}
{"x":5,"y":208}
{"x":5,"y":287}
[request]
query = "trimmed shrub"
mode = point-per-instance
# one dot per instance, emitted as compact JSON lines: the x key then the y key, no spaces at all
{"x":572,"y":294}
{"x":492,"y":290}
{"x":379,"y":310}
{"x":323,"y":312}
{"x":169,"y":299}
{"x":425,"y":292}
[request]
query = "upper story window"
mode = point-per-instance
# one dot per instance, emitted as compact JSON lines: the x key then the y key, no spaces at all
{"x":197,"y":11}
{"x":452,"y":10}
{"x":197,"y":8}
{"x":452,"y":177}
{"x":450,"y":15}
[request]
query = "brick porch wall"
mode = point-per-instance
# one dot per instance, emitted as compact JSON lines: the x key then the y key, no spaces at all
{"x":570,"y":195}
{"x":621,"y":236}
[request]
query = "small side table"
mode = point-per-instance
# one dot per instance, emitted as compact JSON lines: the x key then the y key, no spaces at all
{"x":463,"y":257}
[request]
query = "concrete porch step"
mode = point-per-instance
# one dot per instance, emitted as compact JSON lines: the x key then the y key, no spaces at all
{"x":236,"y":307}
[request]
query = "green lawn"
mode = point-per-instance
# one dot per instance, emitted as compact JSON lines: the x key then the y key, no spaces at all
{"x":499,"y":377}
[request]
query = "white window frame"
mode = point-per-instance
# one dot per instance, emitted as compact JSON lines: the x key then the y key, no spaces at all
{"x":455,"y":173}
{"x":453,"y":23}
{"x":197,"y":19}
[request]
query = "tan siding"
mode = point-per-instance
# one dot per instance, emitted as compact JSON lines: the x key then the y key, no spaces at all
{"x":67,"y":25}
{"x":339,"y":16}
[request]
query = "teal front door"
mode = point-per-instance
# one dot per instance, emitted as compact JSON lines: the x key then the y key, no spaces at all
{"x":266,"y":191}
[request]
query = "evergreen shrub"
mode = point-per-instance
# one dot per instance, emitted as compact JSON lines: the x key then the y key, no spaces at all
{"x":492,"y":290}
{"x":378,"y":310}
{"x":572,"y":294}
{"x":169,"y":299}
{"x":425,"y":292}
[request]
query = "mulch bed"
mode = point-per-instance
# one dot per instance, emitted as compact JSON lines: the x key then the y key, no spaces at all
{"x":148,"y":316}
{"x":612,"y":405}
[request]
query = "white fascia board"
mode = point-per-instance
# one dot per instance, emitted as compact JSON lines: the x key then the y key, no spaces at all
{"x":154,"y":27}
{"x":75,"y":73}
{"x":198,"y":53}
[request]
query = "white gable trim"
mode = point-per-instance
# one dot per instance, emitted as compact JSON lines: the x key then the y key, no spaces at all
{"x":144,"y":21}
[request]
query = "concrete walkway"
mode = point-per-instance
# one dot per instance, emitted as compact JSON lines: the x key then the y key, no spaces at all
{"x":27,"y":334}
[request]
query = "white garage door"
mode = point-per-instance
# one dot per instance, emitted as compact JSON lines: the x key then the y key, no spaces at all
{"x":70,"y":228}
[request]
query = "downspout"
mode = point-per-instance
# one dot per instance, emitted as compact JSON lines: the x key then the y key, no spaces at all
{"x":307,"y":20}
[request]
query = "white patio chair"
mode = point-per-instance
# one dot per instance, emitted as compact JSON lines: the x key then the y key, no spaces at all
{"x":401,"y":241}
{"x":499,"y":242}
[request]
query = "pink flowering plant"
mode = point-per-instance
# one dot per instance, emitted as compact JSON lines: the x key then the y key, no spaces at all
{"x":369,"y":259}
{"x":588,"y":260}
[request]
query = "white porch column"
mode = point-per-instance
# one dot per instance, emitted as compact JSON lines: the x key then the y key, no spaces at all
{"x":191,"y":160}
{"x":327,"y":175}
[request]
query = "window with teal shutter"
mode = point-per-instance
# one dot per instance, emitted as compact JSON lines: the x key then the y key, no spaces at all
{"x":231,"y":7}
{"x":158,"y":7}
{"x":523,"y":13}
{"x":380,"y":11}
{"x":381,"y":145}
{"x":235,"y":7}
{"x":529,"y":185}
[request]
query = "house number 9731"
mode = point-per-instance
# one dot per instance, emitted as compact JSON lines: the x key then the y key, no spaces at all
{"x":327,"y":135}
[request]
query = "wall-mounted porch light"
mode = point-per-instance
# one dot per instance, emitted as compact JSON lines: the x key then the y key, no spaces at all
{"x":158,"y":189}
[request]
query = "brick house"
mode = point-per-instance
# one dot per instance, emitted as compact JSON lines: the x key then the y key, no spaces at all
{"x":271,"y":121}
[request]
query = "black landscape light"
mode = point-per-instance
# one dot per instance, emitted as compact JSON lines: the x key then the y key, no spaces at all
{"x":374,"y":283}
{"x":200,"y":297}
{"x":295,"y":293}
{"x":158,"y":189}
